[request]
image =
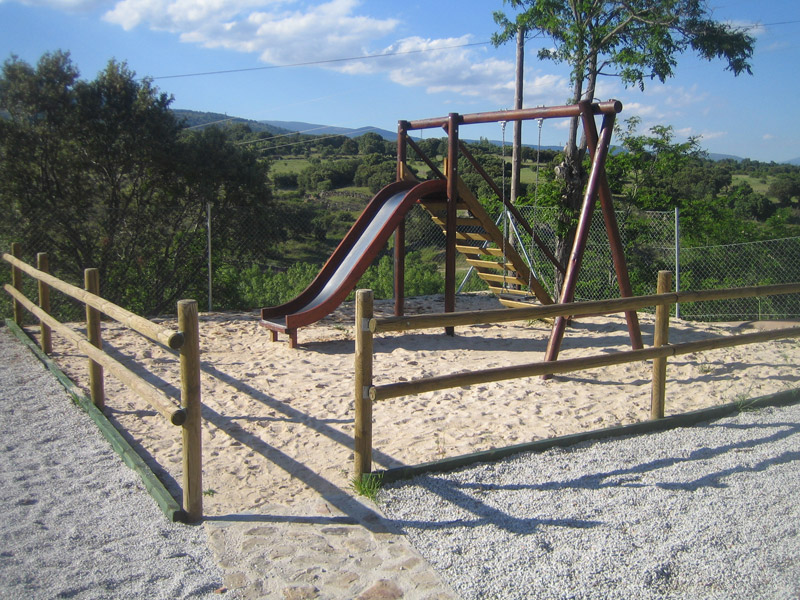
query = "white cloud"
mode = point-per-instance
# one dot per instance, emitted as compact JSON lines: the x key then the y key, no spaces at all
{"x":637,"y":109}
{"x":287,"y":32}
{"x":767,"y":136}
{"x":279,"y":31}
{"x":687,"y":132}
{"x":443,"y":69}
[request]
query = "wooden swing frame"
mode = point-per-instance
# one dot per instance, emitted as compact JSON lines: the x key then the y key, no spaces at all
{"x":597,"y":187}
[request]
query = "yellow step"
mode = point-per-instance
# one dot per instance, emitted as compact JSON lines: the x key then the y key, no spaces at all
{"x":437,"y":206}
{"x":460,"y":222}
{"x":478,"y":236}
{"x":506,"y":279}
{"x":506,"y":291}
{"x":478,"y":250}
{"x":488,"y":264}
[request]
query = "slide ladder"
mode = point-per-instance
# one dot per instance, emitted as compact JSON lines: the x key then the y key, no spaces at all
{"x":482,"y":243}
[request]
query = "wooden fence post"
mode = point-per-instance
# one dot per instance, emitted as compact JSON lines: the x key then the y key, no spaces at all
{"x":660,"y":338}
{"x":191,"y":402}
{"x":363,"y":381}
{"x":16,"y":281}
{"x":91,"y":280}
{"x":43,"y":264}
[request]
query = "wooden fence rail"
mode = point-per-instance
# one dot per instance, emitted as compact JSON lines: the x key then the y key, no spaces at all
{"x":152,"y":331}
{"x":367,"y":325}
{"x":186,"y":415}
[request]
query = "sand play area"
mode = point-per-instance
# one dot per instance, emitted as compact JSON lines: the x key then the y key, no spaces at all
{"x":278,"y":423}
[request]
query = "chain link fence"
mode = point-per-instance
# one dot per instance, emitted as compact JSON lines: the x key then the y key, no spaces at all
{"x":740,"y":265}
{"x":311,"y":229}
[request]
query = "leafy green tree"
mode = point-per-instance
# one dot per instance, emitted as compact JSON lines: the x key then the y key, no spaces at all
{"x":375,"y":172}
{"x":635,"y":40}
{"x":370,"y":143}
{"x":647,"y":172}
{"x":785,"y":188}
{"x":99,"y":174}
{"x":747,"y":203}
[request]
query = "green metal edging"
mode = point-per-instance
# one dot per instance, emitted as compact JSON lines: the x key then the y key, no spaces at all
{"x":168,"y":505}
{"x":672,"y":422}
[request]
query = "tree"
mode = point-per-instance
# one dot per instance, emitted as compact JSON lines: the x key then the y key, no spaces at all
{"x":370,"y":143}
{"x":99,"y":174}
{"x":784,"y":188}
{"x":634,"y":40}
{"x":652,"y":168}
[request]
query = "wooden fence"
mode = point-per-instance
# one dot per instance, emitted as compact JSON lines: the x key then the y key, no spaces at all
{"x":367,"y":326}
{"x":187,"y":414}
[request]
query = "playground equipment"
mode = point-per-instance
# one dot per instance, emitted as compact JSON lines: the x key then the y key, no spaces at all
{"x":468,"y":228}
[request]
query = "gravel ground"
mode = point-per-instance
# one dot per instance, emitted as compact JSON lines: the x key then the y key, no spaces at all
{"x":707,"y":512}
{"x":75,"y":522}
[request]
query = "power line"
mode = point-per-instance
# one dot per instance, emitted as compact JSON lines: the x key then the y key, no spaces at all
{"x":305,"y":131}
{"x":323,"y":62}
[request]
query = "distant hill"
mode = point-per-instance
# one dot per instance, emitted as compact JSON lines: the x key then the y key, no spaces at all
{"x":193,"y":118}
{"x":196,"y":118}
{"x":715,"y":156}
{"x":316,"y":129}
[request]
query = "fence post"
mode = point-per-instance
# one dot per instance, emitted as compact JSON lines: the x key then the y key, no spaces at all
{"x":16,"y":281}
{"x":43,"y":264}
{"x":363,"y":381}
{"x":91,"y":280}
{"x":208,"y":249}
{"x":190,"y":401}
{"x":677,"y":259}
{"x":660,"y":338}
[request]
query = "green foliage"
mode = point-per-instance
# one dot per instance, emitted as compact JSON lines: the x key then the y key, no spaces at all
{"x":786,"y":188}
{"x":421,"y":278}
{"x":320,"y":176}
{"x":98,"y":174}
{"x":634,"y":40}
{"x":371,"y":143}
{"x":375,"y":172}
{"x":255,"y":288}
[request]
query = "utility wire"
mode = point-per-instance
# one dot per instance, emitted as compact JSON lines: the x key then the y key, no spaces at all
{"x":313,"y":139}
{"x":322,"y":62}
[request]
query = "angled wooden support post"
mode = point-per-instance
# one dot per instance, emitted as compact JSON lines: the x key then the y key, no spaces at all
{"x":91,"y":281}
{"x":581,"y":238}
{"x":191,"y":403}
{"x":660,"y":338}
{"x":612,"y":227}
{"x":363,"y":381}
{"x":16,"y":281}
{"x":46,"y":341}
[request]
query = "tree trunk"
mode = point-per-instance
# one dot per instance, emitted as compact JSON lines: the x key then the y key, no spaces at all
{"x":573,"y":176}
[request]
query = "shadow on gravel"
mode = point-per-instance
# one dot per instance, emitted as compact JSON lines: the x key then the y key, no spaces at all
{"x":460,"y":494}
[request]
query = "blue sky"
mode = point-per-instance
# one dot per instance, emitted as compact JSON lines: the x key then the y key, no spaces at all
{"x":749,"y":116}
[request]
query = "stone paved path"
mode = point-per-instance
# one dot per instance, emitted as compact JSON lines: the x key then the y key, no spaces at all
{"x":316,"y":551}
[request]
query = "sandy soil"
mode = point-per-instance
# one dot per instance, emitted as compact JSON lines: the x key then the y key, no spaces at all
{"x":278,"y":423}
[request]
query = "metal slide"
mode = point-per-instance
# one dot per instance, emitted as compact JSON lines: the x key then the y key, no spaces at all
{"x":351,"y":258}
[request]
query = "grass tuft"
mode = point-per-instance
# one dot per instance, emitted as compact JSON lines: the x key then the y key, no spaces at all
{"x":367,"y":485}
